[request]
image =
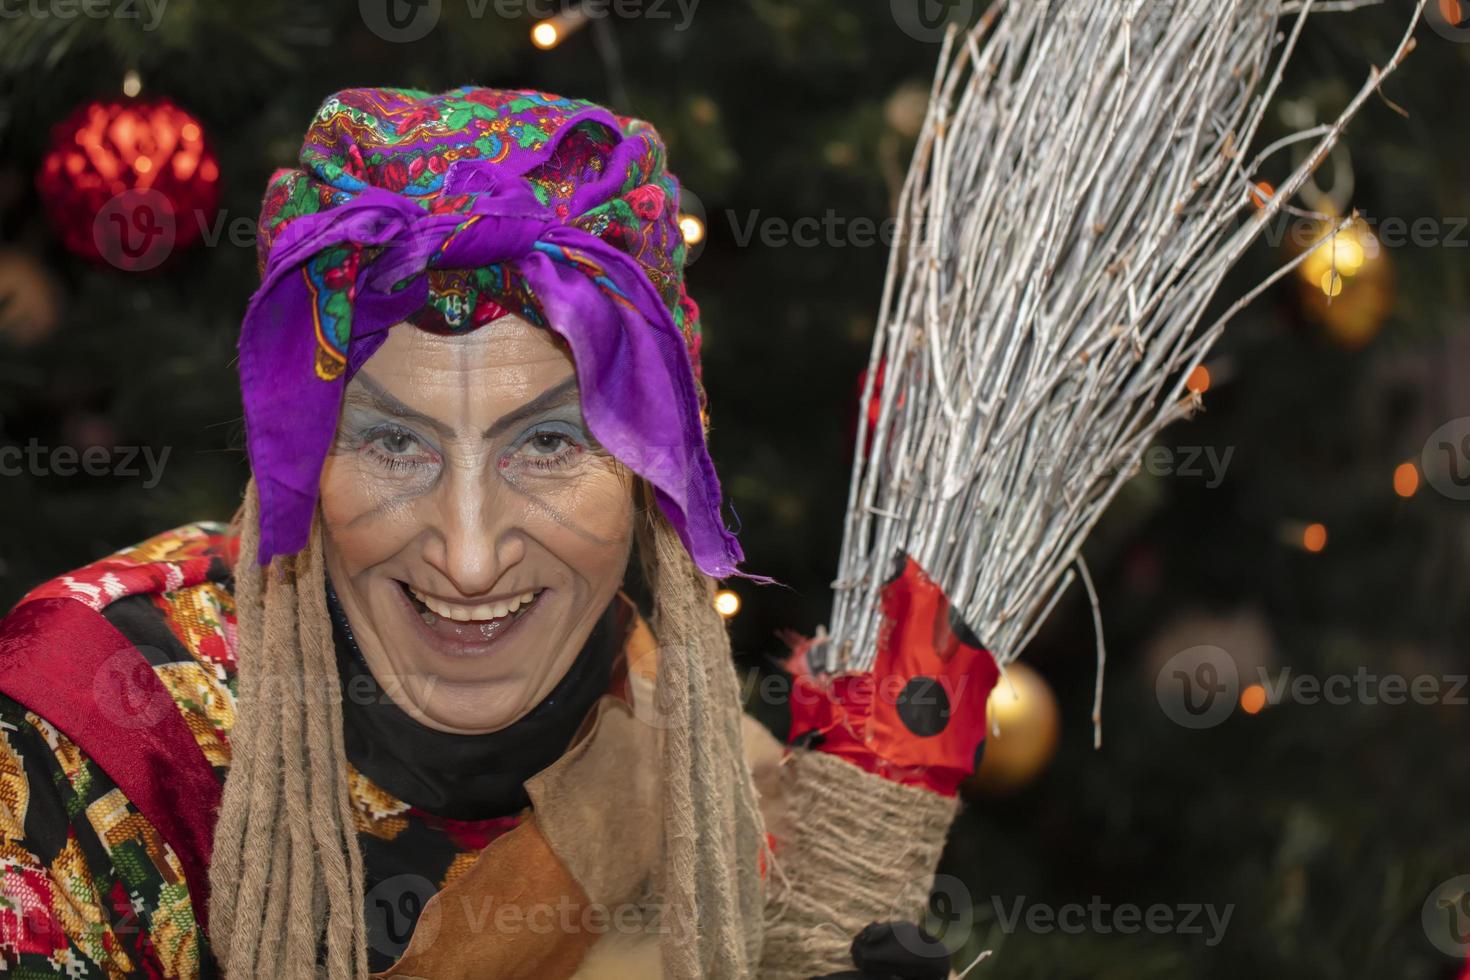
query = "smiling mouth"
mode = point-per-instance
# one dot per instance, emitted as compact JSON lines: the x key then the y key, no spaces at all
{"x":489,"y":616}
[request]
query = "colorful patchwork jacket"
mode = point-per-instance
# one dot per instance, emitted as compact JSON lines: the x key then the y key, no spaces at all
{"x":88,"y":886}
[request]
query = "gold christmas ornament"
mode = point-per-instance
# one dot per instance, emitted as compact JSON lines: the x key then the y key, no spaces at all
{"x":1023,"y":728}
{"x":1346,"y":282}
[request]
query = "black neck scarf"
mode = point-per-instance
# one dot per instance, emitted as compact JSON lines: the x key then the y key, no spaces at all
{"x":466,"y":777}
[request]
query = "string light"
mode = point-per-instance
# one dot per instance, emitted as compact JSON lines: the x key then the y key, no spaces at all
{"x":727,"y":603}
{"x":1406,"y":479}
{"x":1314,"y":537}
{"x":1198,"y":380}
{"x":1253,"y":699}
{"x":692,"y":228}
{"x":132,"y":84}
{"x":547,"y":34}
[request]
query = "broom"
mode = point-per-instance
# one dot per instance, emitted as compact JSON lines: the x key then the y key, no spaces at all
{"x":1084,"y":179}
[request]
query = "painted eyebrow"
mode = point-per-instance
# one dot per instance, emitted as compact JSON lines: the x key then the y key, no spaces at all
{"x":370,"y":393}
{"x":375,"y":396}
{"x":563,"y":393}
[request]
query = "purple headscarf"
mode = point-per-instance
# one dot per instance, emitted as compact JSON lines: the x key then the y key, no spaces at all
{"x":449,"y":211}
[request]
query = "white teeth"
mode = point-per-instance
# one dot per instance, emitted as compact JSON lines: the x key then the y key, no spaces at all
{"x":480,"y":613}
{"x":519,"y":601}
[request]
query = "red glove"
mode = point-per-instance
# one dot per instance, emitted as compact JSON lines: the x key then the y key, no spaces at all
{"x":918,"y":717}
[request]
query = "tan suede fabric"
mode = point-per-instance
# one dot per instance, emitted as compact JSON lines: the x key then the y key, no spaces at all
{"x":503,"y":918}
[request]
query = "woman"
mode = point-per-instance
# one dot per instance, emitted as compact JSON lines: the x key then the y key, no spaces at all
{"x":399,"y":717}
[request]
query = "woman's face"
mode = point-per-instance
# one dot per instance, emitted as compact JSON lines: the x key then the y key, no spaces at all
{"x":474,"y":531}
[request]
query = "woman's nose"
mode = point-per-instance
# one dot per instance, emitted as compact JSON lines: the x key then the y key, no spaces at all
{"x":479,"y":536}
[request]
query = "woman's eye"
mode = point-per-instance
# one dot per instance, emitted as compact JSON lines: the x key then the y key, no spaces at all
{"x":547,"y":443}
{"x":394,"y":448}
{"x":548,"y":448}
{"x":397,"y":443}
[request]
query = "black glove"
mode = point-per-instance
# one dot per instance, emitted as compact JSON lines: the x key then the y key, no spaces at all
{"x":895,"y":951}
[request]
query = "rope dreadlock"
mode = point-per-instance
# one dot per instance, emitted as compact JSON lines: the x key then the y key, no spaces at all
{"x":286,"y":875}
{"x":713,"y":831}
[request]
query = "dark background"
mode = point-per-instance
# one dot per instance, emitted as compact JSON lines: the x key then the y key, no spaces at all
{"x":1325,"y":826}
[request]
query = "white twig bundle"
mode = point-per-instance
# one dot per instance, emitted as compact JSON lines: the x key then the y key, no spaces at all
{"x":1083,"y":181}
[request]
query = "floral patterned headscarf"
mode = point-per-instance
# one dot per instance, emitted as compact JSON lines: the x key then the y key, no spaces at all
{"x":448,"y":211}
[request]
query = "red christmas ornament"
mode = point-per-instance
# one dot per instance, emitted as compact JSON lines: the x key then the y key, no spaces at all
{"x":129,"y":182}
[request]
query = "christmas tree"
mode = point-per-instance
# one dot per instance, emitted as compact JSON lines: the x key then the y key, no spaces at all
{"x":1311,"y":523}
